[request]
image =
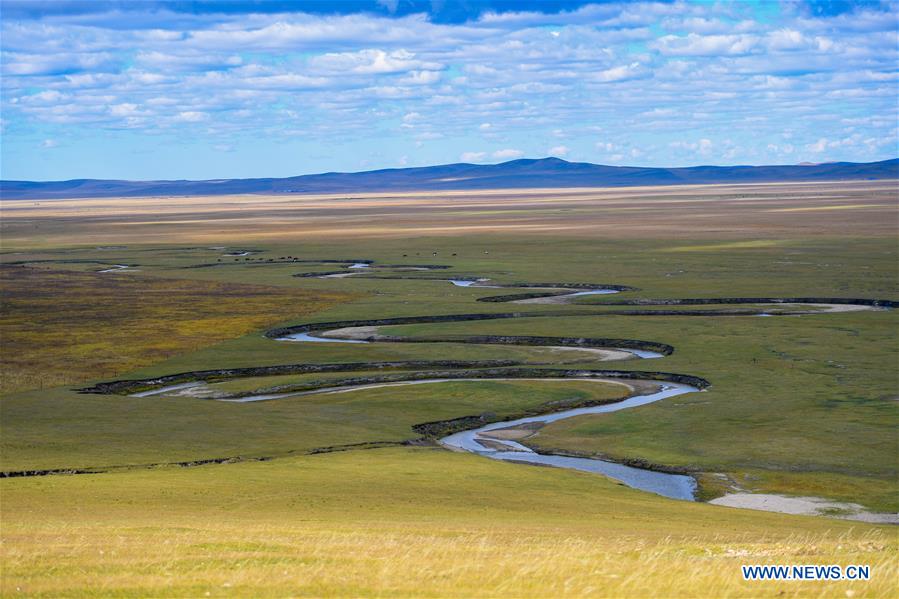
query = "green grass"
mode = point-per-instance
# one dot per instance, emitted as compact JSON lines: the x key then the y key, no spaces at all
{"x":809,"y":395}
{"x":49,"y":430}
{"x":61,"y":326}
{"x":798,"y":405}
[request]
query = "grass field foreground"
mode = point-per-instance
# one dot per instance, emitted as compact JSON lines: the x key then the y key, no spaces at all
{"x":404,"y":522}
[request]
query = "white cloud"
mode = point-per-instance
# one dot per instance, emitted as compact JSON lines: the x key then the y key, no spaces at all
{"x":703,"y":147}
{"x":473,"y":156}
{"x":191,"y":116}
{"x":817,"y":147}
{"x":189,"y":60}
{"x":429,"y":135}
{"x":621,"y":73}
{"x":421,"y":78}
{"x":49,"y":143}
{"x":694,"y":44}
{"x":597,"y":71}
{"x":658,"y":112}
{"x":371,"y":62}
{"x":507,"y":154}
{"x":47,"y":96}
{"x":560,"y":151}
{"x":124,"y":109}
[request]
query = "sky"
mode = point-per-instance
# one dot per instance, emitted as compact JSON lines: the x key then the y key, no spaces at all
{"x":146,"y":89}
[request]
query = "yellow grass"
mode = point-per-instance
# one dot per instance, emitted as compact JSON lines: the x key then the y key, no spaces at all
{"x":712,"y":211}
{"x":395,"y":561}
{"x":407,"y":523}
{"x":63,"y":327}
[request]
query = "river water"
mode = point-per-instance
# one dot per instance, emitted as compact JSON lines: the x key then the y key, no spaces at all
{"x":675,"y":486}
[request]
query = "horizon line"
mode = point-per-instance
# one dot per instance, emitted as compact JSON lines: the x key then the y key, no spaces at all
{"x":473,"y":164}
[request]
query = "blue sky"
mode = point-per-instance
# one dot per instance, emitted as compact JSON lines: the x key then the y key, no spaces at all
{"x":222,"y":89}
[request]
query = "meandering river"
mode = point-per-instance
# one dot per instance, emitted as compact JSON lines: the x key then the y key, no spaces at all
{"x":479,"y":441}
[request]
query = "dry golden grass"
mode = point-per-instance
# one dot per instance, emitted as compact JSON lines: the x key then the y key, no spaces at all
{"x":710,"y":211}
{"x":410,"y":522}
{"x":395,"y":561}
{"x":64,"y":327}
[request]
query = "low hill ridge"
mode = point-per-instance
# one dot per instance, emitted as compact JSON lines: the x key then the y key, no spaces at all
{"x":514,"y":174}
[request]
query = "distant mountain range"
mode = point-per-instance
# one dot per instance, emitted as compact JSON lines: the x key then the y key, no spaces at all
{"x":545,"y":172}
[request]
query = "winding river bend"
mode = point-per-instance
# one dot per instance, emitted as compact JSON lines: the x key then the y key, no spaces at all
{"x":505,"y":440}
{"x":483,"y":441}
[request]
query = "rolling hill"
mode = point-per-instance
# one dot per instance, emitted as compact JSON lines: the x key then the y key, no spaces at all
{"x":515,"y":174}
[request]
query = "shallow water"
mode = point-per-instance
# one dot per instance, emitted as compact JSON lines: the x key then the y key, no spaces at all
{"x":477,"y":283}
{"x":645,"y":354}
{"x":168,"y":389}
{"x":675,"y":486}
{"x":308,"y":337}
{"x":592,"y":292}
{"x":115,"y":268}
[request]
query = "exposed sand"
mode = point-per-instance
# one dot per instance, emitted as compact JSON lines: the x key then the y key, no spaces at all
{"x":826,"y":308}
{"x":805,"y":506}
{"x":340,"y":275}
{"x":550,"y":299}
{"x":357,"y":333}
{"x":514,"y":433}
{"x":605,"y":355}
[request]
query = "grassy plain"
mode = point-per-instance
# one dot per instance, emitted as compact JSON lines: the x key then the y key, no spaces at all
{"x":809,"y":399}
{"x":91,"y":321}
{"x":798,"y":405}
{"x":47,"y":430}
{"x":417,"y":522}
{"x":748,"y":213}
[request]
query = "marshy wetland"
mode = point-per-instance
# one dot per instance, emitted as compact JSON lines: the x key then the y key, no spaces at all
{"x":800,"y":405}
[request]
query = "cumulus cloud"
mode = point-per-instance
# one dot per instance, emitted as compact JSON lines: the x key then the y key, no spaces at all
{"x":621,"y":73}
{"x":606,"y":146}
{"x":371,"y":62}
{"x":665,"y":83}
{"x":191,"y":116}
{"x":694,"y":44}
{"x":507,"y":154}
{"x":703,"y":147}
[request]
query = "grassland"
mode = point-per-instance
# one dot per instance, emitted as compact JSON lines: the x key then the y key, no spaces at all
{"x":402,"y":522}
{"x":798,"y":405}
{"x":91,"y":321}
{"x":813,"y":402}
{"x":47,"y":430}
{"x":739,"y":214}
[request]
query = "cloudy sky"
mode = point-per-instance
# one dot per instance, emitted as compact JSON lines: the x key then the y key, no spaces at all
{"x":222,"y":89}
